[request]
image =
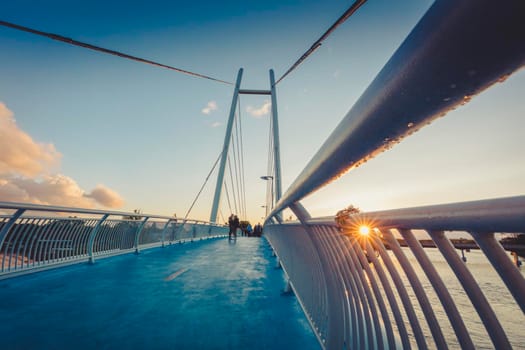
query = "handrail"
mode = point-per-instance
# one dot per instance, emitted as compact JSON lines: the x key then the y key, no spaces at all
{"x":350,"y":261}
{"x":61,"y":209}
{"x":440,"y":65}
{"x":30,"y":242}
{"x":487,"y":215}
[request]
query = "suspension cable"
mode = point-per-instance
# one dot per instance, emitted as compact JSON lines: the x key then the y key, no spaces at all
{"x":107,"y":51}
{"x":357,"y":4}
{"x":202,"y":187}
{"x":227,"y":196}
{"x":222,"y":216}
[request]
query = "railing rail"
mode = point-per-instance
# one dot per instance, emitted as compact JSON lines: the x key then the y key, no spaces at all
{"x":35,"y":237}
{"x":366,"y":283}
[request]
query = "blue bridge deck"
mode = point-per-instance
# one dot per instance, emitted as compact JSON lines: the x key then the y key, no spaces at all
{"x":207,"y":295}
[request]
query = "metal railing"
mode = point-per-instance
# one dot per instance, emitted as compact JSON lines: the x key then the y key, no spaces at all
{"x":35,"y":237}
{"x":357,"y":294}
{"x":365,"y":290}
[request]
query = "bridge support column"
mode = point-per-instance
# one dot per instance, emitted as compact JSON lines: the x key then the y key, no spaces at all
{"x":226,"y":146}
{"x":276,"y":145}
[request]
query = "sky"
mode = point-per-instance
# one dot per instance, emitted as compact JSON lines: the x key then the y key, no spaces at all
{"x":84,"y":129}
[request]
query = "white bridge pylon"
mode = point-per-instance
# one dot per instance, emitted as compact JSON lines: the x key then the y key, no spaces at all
{"x":276,"y":183}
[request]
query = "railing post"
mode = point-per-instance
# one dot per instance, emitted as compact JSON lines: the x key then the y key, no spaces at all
{"x":137,"y":234}
{"x":5,"y":230}
{"x":10,"y":223}
{"x":92,"y":235}
{"x":164,"y":231}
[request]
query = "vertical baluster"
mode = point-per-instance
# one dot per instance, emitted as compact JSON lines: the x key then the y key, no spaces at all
{"x":335,"y":317}
{"x":83,"y":246}
{"x":163,"y":235}
{"x":371,"y":254}
{"x":375,"y":288}
{"x":92,"y":235}
{"x":73,"y":238}
{"x":471,"y":287}
{"x":389,"y":294}
{"x":414,"y":322}
{"x":508,"y":272}
{"x":35,"y":242}
{"x":137,"y":234}
{"x":119,"y":239}
{"x":356,"y":305}
{"x":369,"y":304}
{"x":108,"y":242}
{"x":421,"y":295}
{"x":335,"y":267}
{"x":48,"y":230}
{"x":29,"y":241}
{"x":5,"y":230}
{"x":17,"y":239}
{"x":25,"y":240}
{"x":59,"y":248}
{"x":360,"y":309}
{"x":444,"y":296}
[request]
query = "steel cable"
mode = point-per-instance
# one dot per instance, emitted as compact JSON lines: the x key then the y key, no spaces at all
{"x":325,"y":35}
{"x":107,"y":51}
{"x":202,"y":187}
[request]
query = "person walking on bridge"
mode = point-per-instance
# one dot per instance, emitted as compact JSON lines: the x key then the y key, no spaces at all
{"x":236,"y":225}
{"x":231,"y":225}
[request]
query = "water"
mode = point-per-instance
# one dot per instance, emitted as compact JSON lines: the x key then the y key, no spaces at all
{"x":506,"y":309}
{"x":206,"y":295}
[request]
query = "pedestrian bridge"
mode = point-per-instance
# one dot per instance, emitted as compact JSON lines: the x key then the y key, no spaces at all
{"x":357,"y":287}
{"x":212,"y":294}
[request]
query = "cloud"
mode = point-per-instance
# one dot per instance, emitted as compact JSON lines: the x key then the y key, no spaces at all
{"x":25,"y":172}
{"x":106,"y":196}
{"x":56,"y":190}
{"x":215,"y":124}
{"x":210,"y":107}
{"x":20,"y":154}
{"x":259,"y":112}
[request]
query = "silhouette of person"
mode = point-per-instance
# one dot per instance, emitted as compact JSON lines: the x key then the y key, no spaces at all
{"x":231,"y":224}
{"x":236,"y":225}
{"x":258,"y":230}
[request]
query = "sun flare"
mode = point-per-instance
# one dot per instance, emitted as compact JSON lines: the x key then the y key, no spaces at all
{"x":364,"y":230}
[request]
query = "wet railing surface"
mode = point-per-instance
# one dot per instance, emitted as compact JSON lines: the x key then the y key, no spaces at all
{"x":34,"y":237}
